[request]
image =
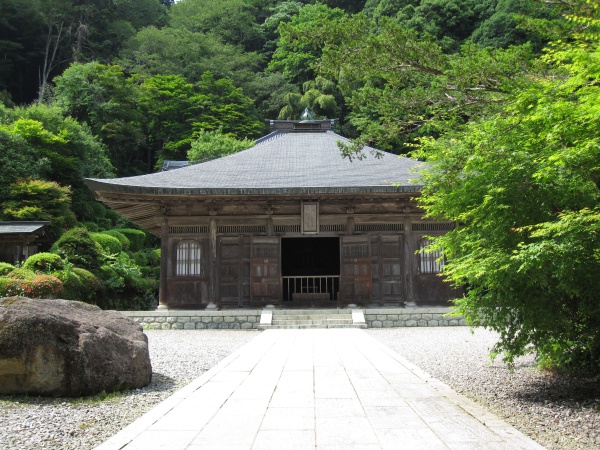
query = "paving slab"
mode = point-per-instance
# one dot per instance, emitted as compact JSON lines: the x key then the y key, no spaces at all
{"x":317,"y":389}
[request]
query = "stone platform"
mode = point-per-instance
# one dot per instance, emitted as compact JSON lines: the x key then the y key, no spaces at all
{"x":384,"y":317}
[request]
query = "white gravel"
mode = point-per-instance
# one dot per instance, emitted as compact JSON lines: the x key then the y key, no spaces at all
{"x":177,"y":358}
{"x":559,"y":413}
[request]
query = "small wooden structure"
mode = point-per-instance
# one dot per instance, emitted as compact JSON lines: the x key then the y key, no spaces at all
{"x":19,"y":240}
{"x":287,"y":222}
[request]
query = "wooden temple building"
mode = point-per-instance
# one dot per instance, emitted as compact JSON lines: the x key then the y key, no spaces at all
{"x":19,"y":240}
{"x":288,"y":222}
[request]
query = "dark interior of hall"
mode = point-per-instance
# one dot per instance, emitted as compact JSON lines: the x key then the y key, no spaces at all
{"x":308,"y":256}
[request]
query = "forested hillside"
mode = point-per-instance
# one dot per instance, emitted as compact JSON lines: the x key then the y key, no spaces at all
{"x":500,"y":96}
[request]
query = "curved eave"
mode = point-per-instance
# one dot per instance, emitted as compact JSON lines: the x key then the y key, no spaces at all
{"x":101,"y":186}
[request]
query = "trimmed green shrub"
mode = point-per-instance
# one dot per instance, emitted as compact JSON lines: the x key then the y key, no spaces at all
{"x":140,"y":258}
{"x":154,"y":257}
{"x":5,"y":268}
{"x":104,"y":224}
{"x":79,"y":284}
{"x":110,"y":278}
{"x":120,"y":236}
{"x":97,"y":210}
{"x":21,"y":273}
{"x":151,"y":241}
{"x":113,"y":216}
{"x":91,"y":284}
{"x":72,"y":285}
{"x":79,"y":248}
{"x":44,"y":262}
{"x":136,"y":238}
{"x":148,"y":261}
{"x":91,"y":226}
{"x":109,"y":244}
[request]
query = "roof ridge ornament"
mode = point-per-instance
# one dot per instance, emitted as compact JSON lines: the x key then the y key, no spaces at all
{"x":307,"y":115}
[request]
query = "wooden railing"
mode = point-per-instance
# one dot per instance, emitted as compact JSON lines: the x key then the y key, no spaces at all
{"x":307,"y":286}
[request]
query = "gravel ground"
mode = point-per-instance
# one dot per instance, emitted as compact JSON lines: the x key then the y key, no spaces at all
{"x":558,"y":412}
{"x":177,"y":358}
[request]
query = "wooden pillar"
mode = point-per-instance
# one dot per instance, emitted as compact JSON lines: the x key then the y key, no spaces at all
{"x":164,"y":265}
{"x":212,"y":254}
{"x":380,"y":268}
{"x":409,"y":263}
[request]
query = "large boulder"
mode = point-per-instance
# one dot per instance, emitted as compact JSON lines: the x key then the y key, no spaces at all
{"x":67,"y":348}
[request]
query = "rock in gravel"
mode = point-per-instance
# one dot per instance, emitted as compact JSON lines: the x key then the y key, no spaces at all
{"x":67,"y":348}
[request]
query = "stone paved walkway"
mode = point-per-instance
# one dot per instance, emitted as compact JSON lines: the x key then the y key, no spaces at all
{"x":324,"y":389}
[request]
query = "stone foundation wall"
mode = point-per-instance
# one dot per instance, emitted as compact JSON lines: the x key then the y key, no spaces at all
{"x":411,"y":317}
{"x":246,"y":319}
{"x":196,"y":320}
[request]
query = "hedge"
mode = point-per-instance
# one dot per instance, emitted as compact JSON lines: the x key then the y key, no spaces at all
{"x":109,"y":244}
{"x":136,"y":238}
{"x":120,"y":236}
{"x":44,"y":262}
{"x":5,"y":268}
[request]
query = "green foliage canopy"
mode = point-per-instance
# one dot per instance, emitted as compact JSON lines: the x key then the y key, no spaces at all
{"x":523,"y":185}
{"x":40,"y":200}
{"x":101,"y":96}
{"x":399,"y":85}
{"x":300,"y":46}
{"x":214,"y":144}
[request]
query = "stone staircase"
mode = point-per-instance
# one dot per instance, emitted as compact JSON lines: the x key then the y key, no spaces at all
{"x":312,"y":318}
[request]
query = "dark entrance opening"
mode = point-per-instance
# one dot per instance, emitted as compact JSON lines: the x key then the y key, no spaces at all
{"x":311,"y":270}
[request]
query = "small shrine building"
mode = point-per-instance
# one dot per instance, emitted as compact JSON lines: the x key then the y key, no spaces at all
{"x":288,"y":222}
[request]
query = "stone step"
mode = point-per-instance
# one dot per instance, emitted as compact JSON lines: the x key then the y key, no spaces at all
{"x":310,"y":318}
{"x":312,"y":322}
{"x":309,"y":326}
{"x":313,"y":317}
{"x":309,"y":312}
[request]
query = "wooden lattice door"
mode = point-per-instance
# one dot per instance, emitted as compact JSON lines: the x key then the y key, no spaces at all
{"x":355,"y":278}
{"x":265,"y":270}
{"x":234,"y":276}
{"x":386,"y":254}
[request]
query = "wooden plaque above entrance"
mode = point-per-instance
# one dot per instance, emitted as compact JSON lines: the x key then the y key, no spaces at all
{"x":310,"y":218}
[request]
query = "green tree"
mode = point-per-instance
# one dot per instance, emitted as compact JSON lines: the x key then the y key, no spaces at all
{"x":209,"y":145}
{"x":279,"y":13}
{"x":21,"y":33}
{"x":450,"y":22}
{"x":40,"y":200}
{"x":268,"y":90}
{"x":399,"y":85}
{"x":224,"y":106}
{"x":178,"y":51}
{"x":523,"y":186}
{"x":320,"y":96}
{"x":167,"y":103}
{"x":175,"y":109}
{"x":18,"y":160}
{"x":301,"y":43}
{"x":104,"y":98}
{"x":57,"y":148}
{"x":233,"y":21}
{"x":39,"y":38}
